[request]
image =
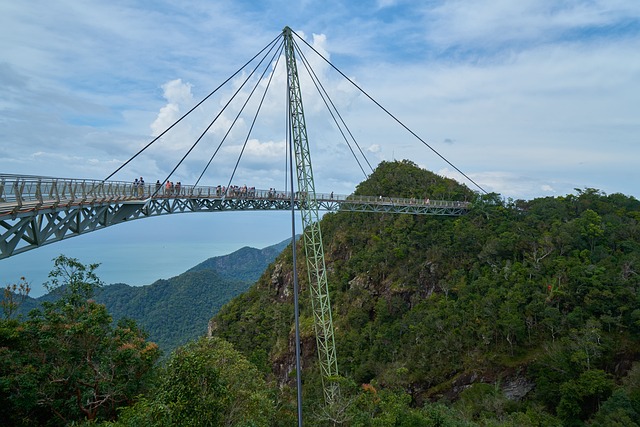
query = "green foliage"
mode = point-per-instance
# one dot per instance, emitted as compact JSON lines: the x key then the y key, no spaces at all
{"x":623,"y":407}
{"x":205,"y":383}
{"x":580,"y":398}
{"x":75,"y":281}
{"x":176,"y":310}
{"x":68,"y":362}
{"x":618,"y":411}
{"x":246,"y":264}
{"x":436,"y":319}
{"x":372,"y":407}
{"x":405,"y":179}
{"x":480,"y":401}
{"x":547,"y":288}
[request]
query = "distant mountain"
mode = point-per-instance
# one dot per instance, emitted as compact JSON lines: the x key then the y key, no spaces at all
{"x":244,"y":264}
{"x":176,"y":310}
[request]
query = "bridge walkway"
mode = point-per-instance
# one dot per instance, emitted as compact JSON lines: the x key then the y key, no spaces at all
{"x":35,"y":211}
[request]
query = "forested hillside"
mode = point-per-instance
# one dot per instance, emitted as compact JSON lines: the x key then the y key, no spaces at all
{"x":175,"y":311}
{"x":518,"y":313}
{"x":71,"y":361}
{"x":246,"y":263}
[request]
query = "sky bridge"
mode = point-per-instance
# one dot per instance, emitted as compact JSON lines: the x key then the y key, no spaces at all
{"x":35,"y":211}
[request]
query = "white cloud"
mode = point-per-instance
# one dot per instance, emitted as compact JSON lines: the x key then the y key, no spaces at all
{"x":491,"y":23}
{"x":177,"y":92}
{"x":256,"y":150}
{"x":179,"y":96}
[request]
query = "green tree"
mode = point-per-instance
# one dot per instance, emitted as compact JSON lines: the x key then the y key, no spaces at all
{"x":71,"y":361}
{"x":591,"y":227}
{"x":205,"y":383}
{"x":582,"y":397}
{"x":14,"y":295}
{"x":617,"y":411}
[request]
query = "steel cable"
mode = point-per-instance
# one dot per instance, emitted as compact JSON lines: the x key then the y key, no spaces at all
{"x":390,"y":114}
{"x":191,"y":110}
{"x":325,"y":96}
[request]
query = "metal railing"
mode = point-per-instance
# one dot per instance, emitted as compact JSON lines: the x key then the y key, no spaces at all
{"x":20,"y":192}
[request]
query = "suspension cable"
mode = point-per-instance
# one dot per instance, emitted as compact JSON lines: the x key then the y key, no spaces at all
{"x":213,"y":121}
{"x":325,"y":96}
{"x":255,"y":117}
{"x":191,"y":110}
{"x":390,"y":114}
{"x":275,"y":55}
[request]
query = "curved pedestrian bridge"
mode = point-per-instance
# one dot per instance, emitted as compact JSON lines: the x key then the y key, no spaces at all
{"x":35,"y":211}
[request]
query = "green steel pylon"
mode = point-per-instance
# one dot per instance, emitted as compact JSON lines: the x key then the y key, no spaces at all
{"x":312,"y":237}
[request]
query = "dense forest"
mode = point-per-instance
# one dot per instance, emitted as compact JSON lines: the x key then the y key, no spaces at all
{"x":519,"y":313}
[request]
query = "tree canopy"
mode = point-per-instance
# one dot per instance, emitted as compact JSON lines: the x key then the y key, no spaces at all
{"x":537,"y":299}
{"x":68,"y":362}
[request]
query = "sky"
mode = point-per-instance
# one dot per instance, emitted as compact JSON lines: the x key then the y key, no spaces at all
{"x":529,"y":99}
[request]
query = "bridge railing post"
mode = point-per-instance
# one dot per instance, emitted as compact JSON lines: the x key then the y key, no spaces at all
{"x":102,"y":190}
{"x":78,"y":193}
{"x":39,"y":191}
{"x":53,"y":193}
{"x":125,"y":190}
{"x":17,"y":190}
{"x":68,"y":186}
{"x":109,"y":191}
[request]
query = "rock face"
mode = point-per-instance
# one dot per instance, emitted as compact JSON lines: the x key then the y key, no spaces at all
{"x":513,"y":384}
{"x":280,"y":282}
{"x":517,"y":387}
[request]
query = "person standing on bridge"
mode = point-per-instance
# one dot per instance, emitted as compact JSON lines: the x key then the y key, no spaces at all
{"x":141,"y":188}
{"x":134,"y":189}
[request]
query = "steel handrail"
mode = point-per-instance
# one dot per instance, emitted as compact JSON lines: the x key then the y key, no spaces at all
{"x":16,"y":191}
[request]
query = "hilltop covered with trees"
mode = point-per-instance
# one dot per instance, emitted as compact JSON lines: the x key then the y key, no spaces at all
{"x":518,"y":313}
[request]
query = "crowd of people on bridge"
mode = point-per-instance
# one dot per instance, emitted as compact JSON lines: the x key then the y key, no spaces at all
{"x":170,"y":189}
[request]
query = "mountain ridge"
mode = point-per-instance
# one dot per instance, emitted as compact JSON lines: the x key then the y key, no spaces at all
{"x":176,"y":310}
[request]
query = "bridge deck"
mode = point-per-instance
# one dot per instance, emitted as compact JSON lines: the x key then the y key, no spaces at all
{"x":35,"y":211}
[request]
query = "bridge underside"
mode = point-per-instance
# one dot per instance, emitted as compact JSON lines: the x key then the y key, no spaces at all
{"x":29,"y":226}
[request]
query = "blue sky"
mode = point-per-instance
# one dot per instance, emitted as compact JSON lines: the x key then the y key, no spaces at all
{"x":529,"y":98}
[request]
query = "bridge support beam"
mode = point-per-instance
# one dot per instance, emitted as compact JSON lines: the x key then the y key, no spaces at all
{"x":312,"y":236}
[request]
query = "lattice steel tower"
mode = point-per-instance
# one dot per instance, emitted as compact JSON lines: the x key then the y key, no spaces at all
{"x":312,"y":237}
